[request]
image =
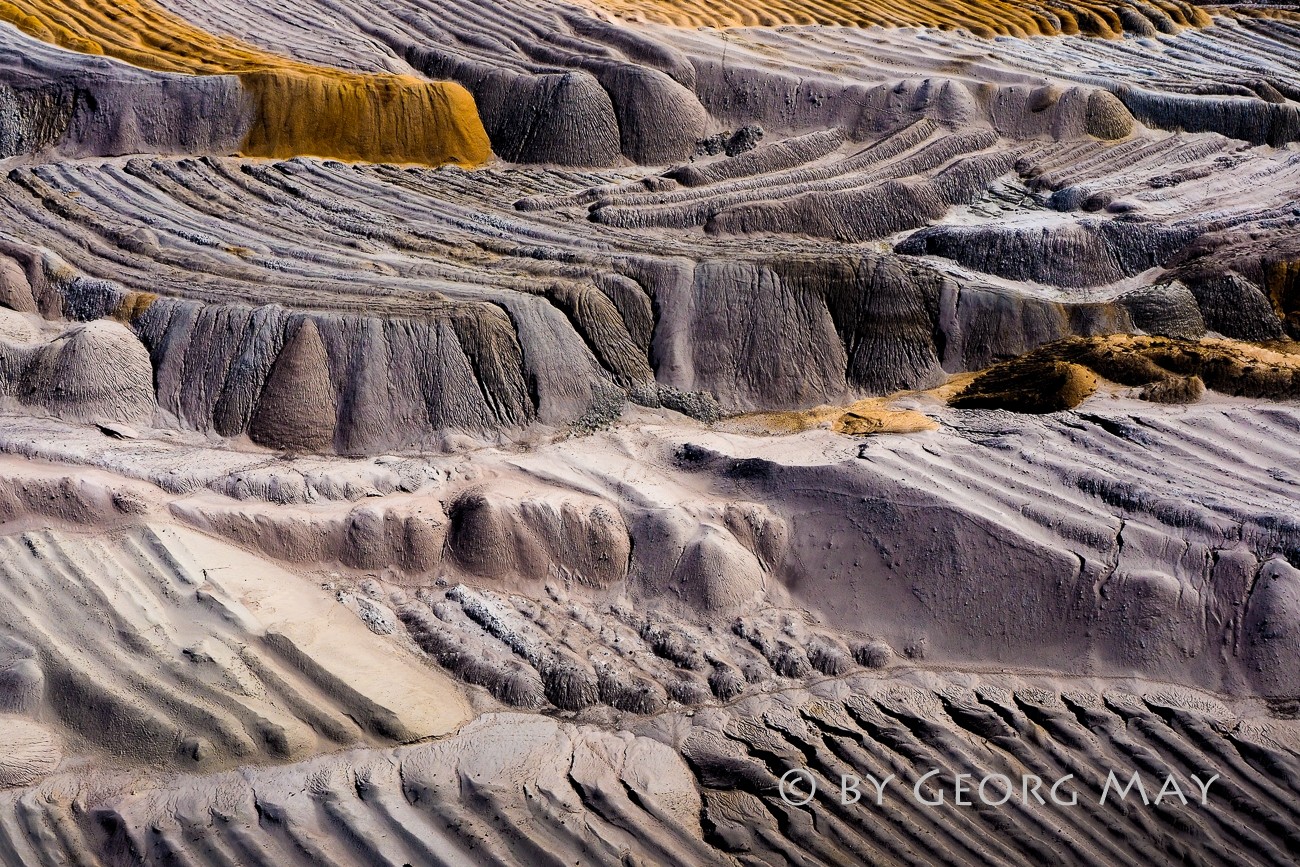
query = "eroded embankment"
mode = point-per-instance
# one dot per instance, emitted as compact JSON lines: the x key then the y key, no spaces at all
{"x":297,"y":108}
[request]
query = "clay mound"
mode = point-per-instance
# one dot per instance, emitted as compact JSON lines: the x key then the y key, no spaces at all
{"x":408,"y":536}
{"x":296,"y":108}
{"x":297,"y":407}
{"x":1029,"y":385}
{"x":986,"y":19}
{"x":95,"y":371}
{"x":1062,"y":375}
{"x":15,"y":289}
{"x":517,"y":540}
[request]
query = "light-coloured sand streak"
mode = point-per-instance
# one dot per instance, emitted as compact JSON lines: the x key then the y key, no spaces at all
{"x":987,"y":19}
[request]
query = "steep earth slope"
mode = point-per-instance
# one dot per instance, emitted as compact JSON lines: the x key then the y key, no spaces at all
{"x":276,"y":107}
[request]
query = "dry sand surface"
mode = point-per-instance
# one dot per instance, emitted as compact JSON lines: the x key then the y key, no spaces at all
{"x":536,"y":433}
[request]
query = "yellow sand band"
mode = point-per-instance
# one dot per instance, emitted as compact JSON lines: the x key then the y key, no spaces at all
{"x":983,"y":17}
{"x":300,"y":109}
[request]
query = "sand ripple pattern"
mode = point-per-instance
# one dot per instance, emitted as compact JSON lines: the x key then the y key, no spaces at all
{"x":986,"y":19}
{"x":515,"y":790}
{"x":153,"y":646}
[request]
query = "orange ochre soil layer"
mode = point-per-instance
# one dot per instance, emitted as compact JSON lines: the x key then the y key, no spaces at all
{"x":299,"y":109}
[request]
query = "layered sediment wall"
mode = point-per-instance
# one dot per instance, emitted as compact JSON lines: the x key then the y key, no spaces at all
{"x":294,"y":107}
